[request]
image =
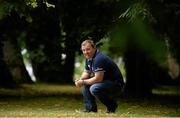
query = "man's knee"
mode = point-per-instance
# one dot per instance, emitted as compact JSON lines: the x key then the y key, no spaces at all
{"x":95,"y":89}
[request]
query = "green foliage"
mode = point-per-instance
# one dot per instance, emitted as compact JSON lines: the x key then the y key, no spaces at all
{"x":5,"y":9}
{"x":104,"y":45}
{"x":21,"y":7}
{"x":134,"y":31}
{"x":65,"y":23}
{"x":22,"y":40}
{"x":79,"y":66}
{"x":151,"y":44}
{"x":138,"y":36}
{"x":38,"y":55}
{"x":32,"y":3}
{"x":50,"y":5}
{"x":138,"y":10}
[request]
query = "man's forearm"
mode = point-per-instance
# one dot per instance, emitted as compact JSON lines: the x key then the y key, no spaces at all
{"x":85,"y":75}
{"x":97,"y":78}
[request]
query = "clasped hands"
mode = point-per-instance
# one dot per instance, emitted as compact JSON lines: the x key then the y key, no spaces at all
{"x":79,"y":82}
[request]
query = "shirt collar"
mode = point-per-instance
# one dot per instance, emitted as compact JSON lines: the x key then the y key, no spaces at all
{"x":96,"y":52}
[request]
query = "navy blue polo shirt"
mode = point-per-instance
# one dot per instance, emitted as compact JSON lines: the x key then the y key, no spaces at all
{"x":103,"y":63}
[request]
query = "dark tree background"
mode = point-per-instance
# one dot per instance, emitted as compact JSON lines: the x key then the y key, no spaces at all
{"x":137,"y":30}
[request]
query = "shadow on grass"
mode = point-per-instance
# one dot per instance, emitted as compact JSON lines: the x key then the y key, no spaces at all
{"x":40,"y":90}
{"x":165,"y":95}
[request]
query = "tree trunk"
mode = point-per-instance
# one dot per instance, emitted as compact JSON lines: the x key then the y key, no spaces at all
{"x":44,"y":45}
{"x":139,"y":81}
{"x":6,"y":79}
{"x":14,"y":61}
{"x":47,"y":67}
{"x":69,"y":63}
{"x":11,"y":28}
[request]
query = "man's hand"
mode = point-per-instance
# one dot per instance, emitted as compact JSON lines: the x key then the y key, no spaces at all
{"x":79,"y":83}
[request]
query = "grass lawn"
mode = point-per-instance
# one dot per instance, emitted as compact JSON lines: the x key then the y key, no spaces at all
{"x":66,"y":101}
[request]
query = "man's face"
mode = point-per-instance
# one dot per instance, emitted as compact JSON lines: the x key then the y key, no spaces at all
{"x":88,"y":50}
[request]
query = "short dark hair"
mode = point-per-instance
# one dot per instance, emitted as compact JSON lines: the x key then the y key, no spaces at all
{"x":88,"y":40}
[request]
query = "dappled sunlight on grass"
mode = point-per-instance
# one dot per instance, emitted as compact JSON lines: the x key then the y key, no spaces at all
{"x":43,"y":100}
{"x":167,"y":90}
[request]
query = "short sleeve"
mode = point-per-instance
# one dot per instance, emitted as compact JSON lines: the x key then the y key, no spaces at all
{"x":99,"y":65}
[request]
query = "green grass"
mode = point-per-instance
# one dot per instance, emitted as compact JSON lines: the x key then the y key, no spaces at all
{"x":66,"y":101}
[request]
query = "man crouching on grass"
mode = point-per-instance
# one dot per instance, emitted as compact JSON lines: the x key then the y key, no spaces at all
{"x":100,"y":79}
